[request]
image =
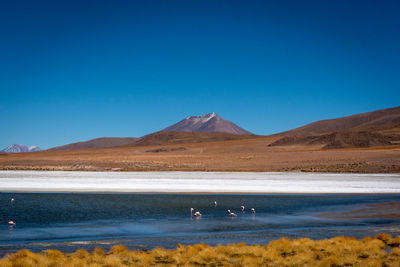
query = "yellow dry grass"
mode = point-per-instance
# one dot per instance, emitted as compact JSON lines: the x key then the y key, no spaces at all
{"x":381,"y":250}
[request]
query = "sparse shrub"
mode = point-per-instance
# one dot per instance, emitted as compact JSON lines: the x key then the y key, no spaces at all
{"x":99,"y":251}
{"x":26,"y":254}
{"x":118,"y":249}
{"x":54,"y":254}
{"x":81,"y":253}
{"x":23,"y":262}
{"x":384,"y":237}
{"x":162,"y":256}
{"x":330,"y":261}
{"x":112,"y":261}
{"x":395,"y":242}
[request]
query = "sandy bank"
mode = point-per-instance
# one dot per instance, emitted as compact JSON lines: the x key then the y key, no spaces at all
{"x":390,"y":210}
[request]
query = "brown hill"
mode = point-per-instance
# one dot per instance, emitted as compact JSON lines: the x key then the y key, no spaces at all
{"x":376,"y":128}
{"x":164,"y":138}
{"x":384,"y":119}
{"x":102,"y":142}
{"x":206,"y":123}
{"x":332,"y":140}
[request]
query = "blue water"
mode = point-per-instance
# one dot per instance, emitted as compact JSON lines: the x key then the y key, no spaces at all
{"x":69,"y":221}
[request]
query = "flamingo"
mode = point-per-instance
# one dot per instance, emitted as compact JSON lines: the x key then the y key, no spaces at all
{"x":230,"y":213}
{"x":253,"y":210}
{"x":242,"y":208}
{"x":196,"y":214}
{"x":11,"y":223}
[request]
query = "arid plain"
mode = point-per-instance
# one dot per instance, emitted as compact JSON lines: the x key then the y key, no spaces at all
{"x":249,"y":154}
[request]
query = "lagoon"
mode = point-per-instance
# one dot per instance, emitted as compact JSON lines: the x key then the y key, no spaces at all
{"x":69,"y":221}
{"x":72,"y":210}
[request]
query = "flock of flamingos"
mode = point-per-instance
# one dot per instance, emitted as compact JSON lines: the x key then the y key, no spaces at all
{"x":197,"y":214}
{"x":193,"y":214}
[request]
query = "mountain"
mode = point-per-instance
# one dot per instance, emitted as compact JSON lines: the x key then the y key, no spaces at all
{"x":102,"y":142}
{"x":17,"y":148}
{"x":33,"y":149}
{"x":206,"y":123}
{"x":379,"y":120}
{"x":193,"y":129}
{"x":166,"y":138}
{"x":376,"y":128}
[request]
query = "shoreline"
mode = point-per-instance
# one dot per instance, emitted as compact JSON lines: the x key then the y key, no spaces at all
{"x":268,"y":183}
{"x":120,"y":170}
{"x":191,"y":193}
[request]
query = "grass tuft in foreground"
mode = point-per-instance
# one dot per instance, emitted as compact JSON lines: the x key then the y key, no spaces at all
{"x":381,"y":250}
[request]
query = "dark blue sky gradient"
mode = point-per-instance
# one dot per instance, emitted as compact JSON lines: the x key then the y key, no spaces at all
{"x":75,"y":70}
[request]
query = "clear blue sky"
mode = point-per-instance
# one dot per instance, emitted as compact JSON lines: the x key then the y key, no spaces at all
{"x":76,"y":70}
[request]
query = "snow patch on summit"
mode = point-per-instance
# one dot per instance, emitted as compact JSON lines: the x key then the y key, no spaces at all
{"x":33,"y":148}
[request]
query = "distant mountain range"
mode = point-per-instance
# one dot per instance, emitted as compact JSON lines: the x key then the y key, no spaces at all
{"x":210,"y":122}
{"x":17,"y":148}
{"x":376,"y":128}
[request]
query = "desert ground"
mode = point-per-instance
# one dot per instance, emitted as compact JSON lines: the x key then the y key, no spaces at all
{"x":250,"y":154}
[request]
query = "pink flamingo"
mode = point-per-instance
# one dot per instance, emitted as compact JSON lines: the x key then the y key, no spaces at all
{"x":196,"y":214}
{"x":11,"y":223}
{"x":230,"y":213}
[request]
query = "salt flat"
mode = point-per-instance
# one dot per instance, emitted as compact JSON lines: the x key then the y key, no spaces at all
{"x":198,"y":182}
